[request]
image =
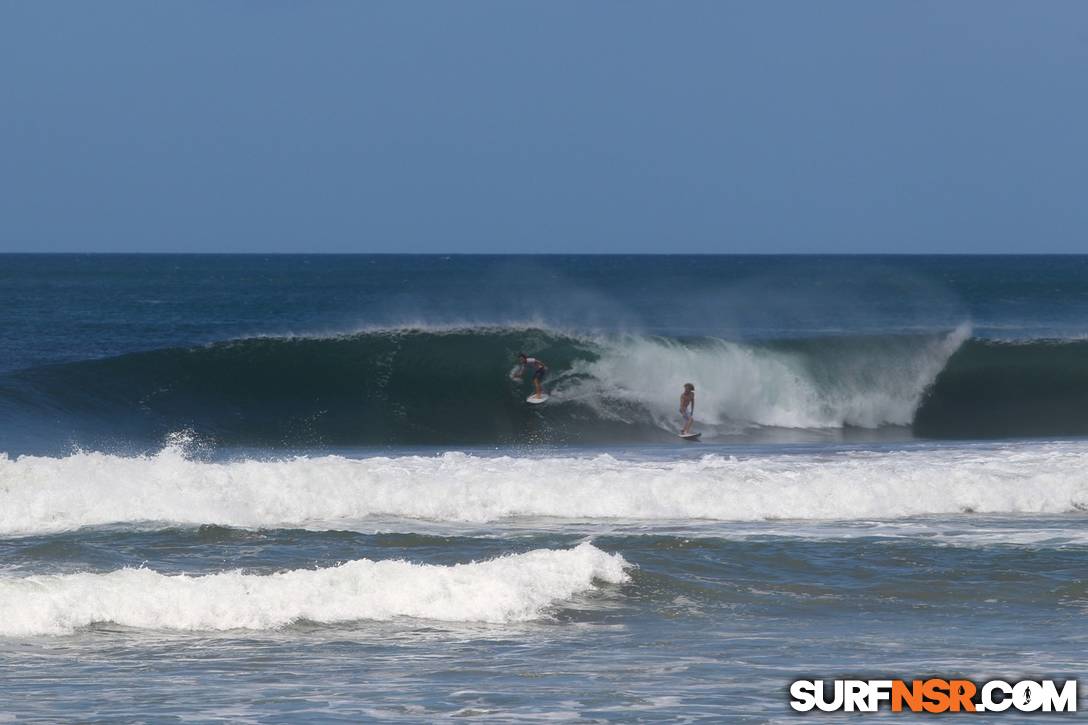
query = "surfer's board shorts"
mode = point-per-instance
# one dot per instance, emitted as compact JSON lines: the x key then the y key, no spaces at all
{"x":539,"y":374}
{"x":685,"y":415}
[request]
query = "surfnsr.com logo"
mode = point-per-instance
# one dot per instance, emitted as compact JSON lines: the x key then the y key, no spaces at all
{"x":933,"y":695}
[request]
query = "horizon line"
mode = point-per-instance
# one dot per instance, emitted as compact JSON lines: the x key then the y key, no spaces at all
{"x":532,"y":254}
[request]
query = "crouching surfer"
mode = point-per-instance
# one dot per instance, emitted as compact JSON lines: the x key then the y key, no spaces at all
{"x":539,"y":371}
{"x":687,"y":408}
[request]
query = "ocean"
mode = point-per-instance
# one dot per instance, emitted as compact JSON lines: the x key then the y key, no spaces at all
{"x":306,"y":488}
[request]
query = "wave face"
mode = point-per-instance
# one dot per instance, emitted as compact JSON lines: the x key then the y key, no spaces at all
{"x":452,"y":387}
{"x":46,"y":495}
{"x":511,"y":588}
{"x":444,"y":387}
{"x":1008,"y":389}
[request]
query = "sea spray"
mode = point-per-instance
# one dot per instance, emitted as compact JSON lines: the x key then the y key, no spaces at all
{"x":832,"y":383}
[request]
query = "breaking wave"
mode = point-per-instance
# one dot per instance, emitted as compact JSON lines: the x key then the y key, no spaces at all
{"x":451,"y":386}
{"x":512,"y":588}
{"x":40,"y":495}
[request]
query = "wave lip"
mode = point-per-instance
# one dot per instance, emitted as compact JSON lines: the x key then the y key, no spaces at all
{"x":513,"y":588}
{"x":47,"y":495}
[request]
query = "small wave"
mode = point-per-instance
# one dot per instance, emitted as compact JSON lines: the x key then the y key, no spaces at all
{"x":45,"y":495}
{"x":512,"y":588}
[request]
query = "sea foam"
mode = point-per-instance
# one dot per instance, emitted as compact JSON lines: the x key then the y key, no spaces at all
{"x":511,"y":588}
{"x":43,"y":495}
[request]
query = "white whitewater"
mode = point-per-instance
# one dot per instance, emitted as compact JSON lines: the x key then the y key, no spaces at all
{"x":43,"y":495}
{"x":511,"y":588}
{"x":741,"y":385}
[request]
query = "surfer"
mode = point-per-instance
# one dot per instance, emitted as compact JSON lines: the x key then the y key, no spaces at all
{"x":539,"y":371}
{"x":687,"y":407}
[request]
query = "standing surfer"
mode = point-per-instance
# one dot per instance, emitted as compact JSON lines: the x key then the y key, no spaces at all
{"x":687,"y":408}
{"x":539,"y":371}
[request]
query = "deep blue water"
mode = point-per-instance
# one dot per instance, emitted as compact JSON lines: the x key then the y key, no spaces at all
{"x":305,"y":487}
{"x":59,"y":308}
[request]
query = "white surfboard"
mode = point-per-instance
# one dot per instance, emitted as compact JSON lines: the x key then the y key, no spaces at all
{"x":690,"y":436}
{"x":535,"y":399}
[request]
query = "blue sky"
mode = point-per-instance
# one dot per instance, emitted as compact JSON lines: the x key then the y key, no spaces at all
{"x":719,"y":127}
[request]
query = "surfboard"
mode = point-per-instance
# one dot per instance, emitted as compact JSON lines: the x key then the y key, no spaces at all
{"x":690,"y":436}
{"x":534,"y":400}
